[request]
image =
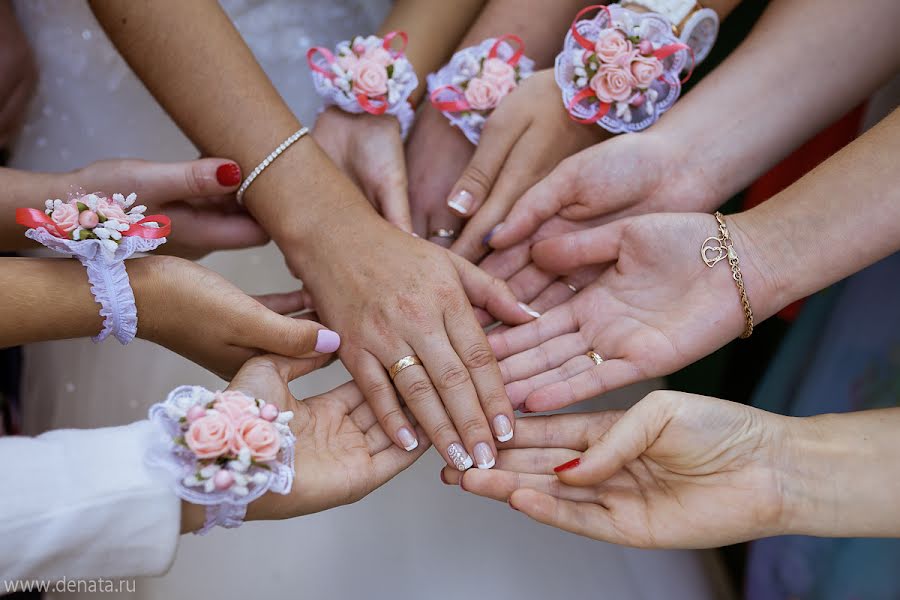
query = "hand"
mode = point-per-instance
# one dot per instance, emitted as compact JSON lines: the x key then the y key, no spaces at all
{"x":436,"y":154}
{"x":341,"y":454}
{"x":675,"y":471}
{"x":657,"y":309}
{"x":205,"y":215}
{"x":18,"y":75}
{"x":369,"y":150}
{"x":627,"y":175}
{"x":391,"y":295}
{"x":200,"y":315}
{"x":523,"y":140}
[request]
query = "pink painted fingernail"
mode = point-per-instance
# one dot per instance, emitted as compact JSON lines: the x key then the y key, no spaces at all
{"x":407,"y":438}
{"x":484,"y":458}
{"x":461,"y":202}
{"x":327,"y":341}
{"x":503,"y":428}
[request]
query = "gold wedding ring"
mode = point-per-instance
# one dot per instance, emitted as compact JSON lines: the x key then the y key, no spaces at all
{"x":440,"y":232}
{"x":403,"y":363}
{"x":595,"y":357}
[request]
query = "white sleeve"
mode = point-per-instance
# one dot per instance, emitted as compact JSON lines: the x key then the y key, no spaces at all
{"x":81,"y":504}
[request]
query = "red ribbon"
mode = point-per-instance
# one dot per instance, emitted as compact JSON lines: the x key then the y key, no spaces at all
{"x":456,"y":105}
{"x":583,"y":41}
{"x":389,"y":40}
{"x":584,"y":94}
{"x":329,"y":59}
{"x":33,"y":218}
{"x":519,"y":46}
{"x":373,"y":108}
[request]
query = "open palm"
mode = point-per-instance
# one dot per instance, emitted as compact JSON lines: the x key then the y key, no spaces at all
{"x":341,"y":454}
{"x":676,"y":470}
{"x":656,"y":309}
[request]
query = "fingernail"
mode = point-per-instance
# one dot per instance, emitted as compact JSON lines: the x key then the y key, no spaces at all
{"x":529,"y":310}
{"x":511,"y":505}
{"x":483,"y":456}
{"x":443,"y":479}
{"x":407,"y":438}
{"x":459,"y":457}
{"x":461,"y":202}
{"x":502,"y":428}
{"x":228,"y":174}
{"x":327,"y":341}
{"x":567,"y":465}
{"x":524,"y":409}
{"x":414,"y":234}
{"x":486,"y":240}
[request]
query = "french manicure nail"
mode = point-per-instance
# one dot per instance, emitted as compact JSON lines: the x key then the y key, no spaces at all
{"x":529,"y":310}
{"x":483,"y":456}
{"x":487,"y":239}
{"x":502,"y":428}
{"x":567,"y":465}
{"x":459,"y":457}
{"x":327,"y":341}
{"x":228,"y":174}
{"x":461,"y":202}
{"x":407,"y":438}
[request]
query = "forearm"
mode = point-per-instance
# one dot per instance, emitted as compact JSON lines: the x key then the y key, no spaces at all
{"x":835,"y":221}
{"x":842,"y":477}
{"x":23,"y":189}
{"x":434,"y":28}
{"x":197,"y":66}
{"x":806,"y":63}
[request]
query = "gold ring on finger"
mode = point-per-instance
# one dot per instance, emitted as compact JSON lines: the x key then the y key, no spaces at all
{"x":403,"y":363}
{"x":595,"y":357}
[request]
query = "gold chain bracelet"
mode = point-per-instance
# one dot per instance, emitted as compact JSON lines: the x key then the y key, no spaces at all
{"x":716,"y":248}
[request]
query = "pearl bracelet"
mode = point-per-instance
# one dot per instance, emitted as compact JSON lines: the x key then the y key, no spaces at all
{"x":268,"y":161}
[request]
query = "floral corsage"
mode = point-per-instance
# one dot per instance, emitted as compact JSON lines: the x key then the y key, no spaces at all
{"x":101,"y":232}
{"x":620,"y":69}
{"x":223,"y":449}
{"x":366,"y":75}
{"x":468,"y":88}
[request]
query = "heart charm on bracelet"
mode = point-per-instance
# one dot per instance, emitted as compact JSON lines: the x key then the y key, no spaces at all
{"x":712,"y":254}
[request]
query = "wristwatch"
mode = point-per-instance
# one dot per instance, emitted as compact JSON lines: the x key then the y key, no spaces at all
{"x":694,"y":25}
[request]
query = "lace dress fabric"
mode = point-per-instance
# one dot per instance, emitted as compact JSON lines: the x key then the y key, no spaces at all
{"x":398,"y":541}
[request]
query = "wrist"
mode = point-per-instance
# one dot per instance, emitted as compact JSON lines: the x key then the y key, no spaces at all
{"x":150,"y":278}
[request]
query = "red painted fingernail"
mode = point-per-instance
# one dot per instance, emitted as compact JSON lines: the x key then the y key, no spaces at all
{"x":228,"y":174}
{"x":567,"y":465}
{"x":443,"y":479}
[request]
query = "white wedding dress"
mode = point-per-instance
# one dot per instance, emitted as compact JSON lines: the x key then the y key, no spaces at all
{"x":414,"y":538}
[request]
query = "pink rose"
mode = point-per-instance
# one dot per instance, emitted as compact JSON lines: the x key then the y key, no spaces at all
{"x":611,"y":44}
{"x":65,"y":217}
{"x":111,"y":210}
{"x":347,"y":62}
{"x":370,"y":78}
{"x":501,"y":73}
{"x":612,"y":84}
{"x":260,"y":437}
{"x":235,"y":406}
{"x":482,"y":94}
{"x":379,"y":55}
{"x":646,"y":69}
{"x":210,"y":436}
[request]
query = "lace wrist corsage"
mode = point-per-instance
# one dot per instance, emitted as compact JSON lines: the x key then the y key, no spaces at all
{"x":468,"y":88}
{"x":223,"y":450}
{"x":366,"y":75}
{"x":101,"y":232}
{"x":620,"y":69}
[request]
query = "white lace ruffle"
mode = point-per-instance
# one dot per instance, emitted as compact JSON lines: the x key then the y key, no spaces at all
{"x":458,"y":70}
{"x":651,"y":26}
{"x":107,"y":276}
{"x":224,"y":508}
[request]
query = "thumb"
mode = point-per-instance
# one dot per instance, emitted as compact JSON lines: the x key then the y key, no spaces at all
{"x":293,"y":337}
{"x":394,"y":202}
{"x":492,"y":294}
{"x":540,"y":203}
{"x":568,"y":252}
{"x":167,"y":182}
{"x":626,"y":440}
{"x":265,"y":376}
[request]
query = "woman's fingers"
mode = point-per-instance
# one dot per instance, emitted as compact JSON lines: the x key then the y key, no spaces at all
{"x":570,"y":251}
{"x":551,"y":354}
{"x":283,"y":335}
{"x":390,"y":462}
{"x":376,"y":385}
{"x":555,"y":322}
{"x":582,"y":518}
{"x":570,"y":431}
{"x":497,"y":140}
{"x":491,"y":294}
{"x":597,"y":380}
{"x":283,"y":303}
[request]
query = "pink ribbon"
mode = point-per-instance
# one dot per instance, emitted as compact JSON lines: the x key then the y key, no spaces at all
{"x":583,"y":41}
{"x":457,"y":104}
{"x":519,"y":47}
{"x":33,"y":218}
